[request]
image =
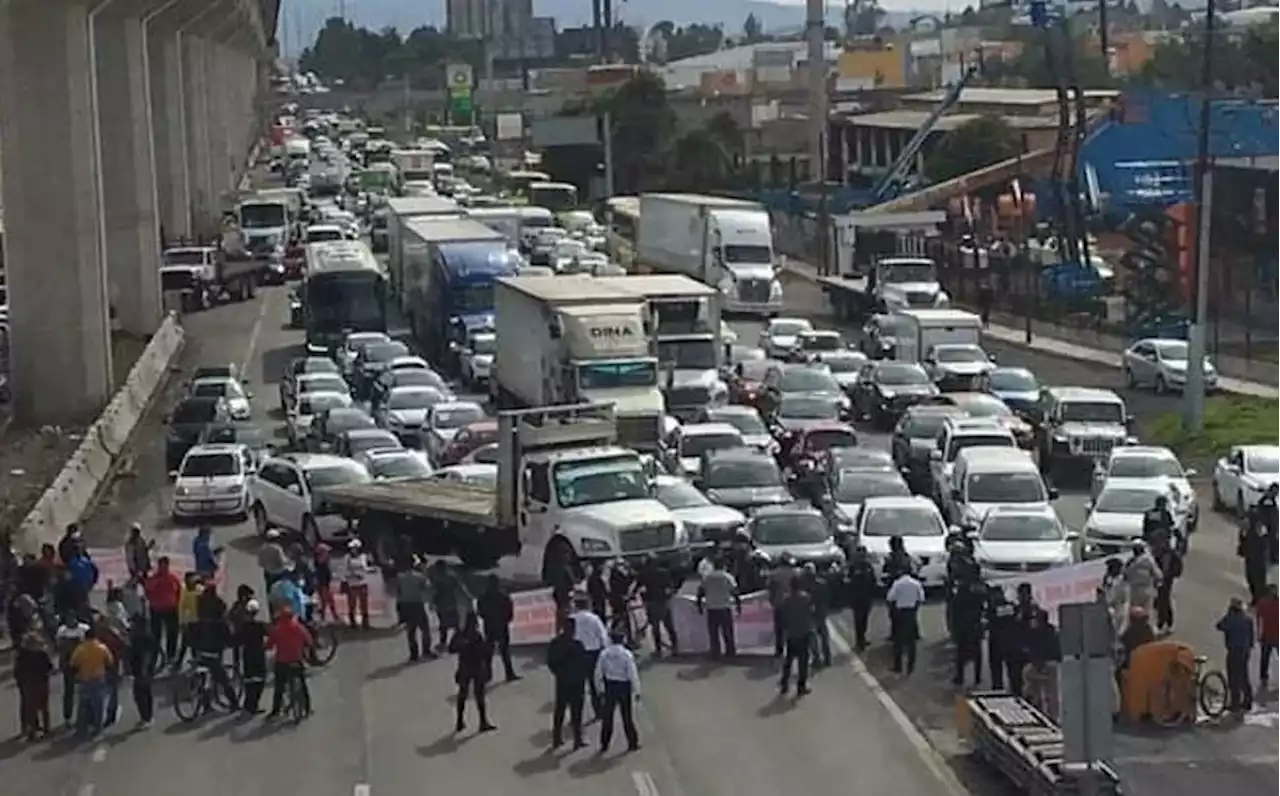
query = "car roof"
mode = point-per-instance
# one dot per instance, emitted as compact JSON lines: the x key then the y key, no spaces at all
{"x":789,"y":319}
{"x":994,"y":457}
{"x":1248,"y":450}
{"x":1025,"y":510}
{"x":1153,"y":484}
{"x":976,"y":425}
{"x":943,"y":410}
{"x":900,"y":502}
{"x":320,"y":375}
{"x":730,"y":410}
{"x":407,"y":359}
{"x":212,"y":448}
{"x":1155,"y":451}
{"x":448,"y":405}
{"x":406,"y":389}
{"x":707,"y":429}
{"x":819,"y":333}
{"x":367,"y":433}
{"x":739,"y":453}
{"x":213,"y":380}
{"x":1011,"y":369}
{"x":1084,"y":394}
{"x":312,"y":461}
{"x":786,"y":509}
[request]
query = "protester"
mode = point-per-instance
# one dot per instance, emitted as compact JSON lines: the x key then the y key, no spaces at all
{"x":796,"y":612}
{"x":1254,"y":549}
{"x":32,"y":667}
{"x":188,"y":614}
{"x":656,"y":588}
{"x":904,"y":598}
{"x":322,"y":569}
{"x":969,"y":604}
{"x":717,"y":598}
{"x":819,"y":589}
{"x":861,"y":590}
{"x":598,"y":590}
{"x":205,"y":554}
{"x":1142,"y":576}
{"x":137,"y":553}
{"x":497,"y":611}
{"x":1238,"y":637}
{"x":141,"y":658}
{"x":446,"y":595}
{"x":779,"y":587}
{"x":1267,"y":611}
{"x":68,"y":636}
{"x":355,"y":581}
{"x":621,"y":579}
{"x":164,"y":591}
{"x":90,"y":661}
{"x":475,"y":661}
{"x":570,"y":666}
{"x":272,"y":559}
{"x":618,"y":678}
{"x":1044,"y":652}
{"x":292,"y":642}
{"x":251,"y":640}
{"x":115,"y":642}
{"x":412,"y":591}
{"x":1001,"y":617}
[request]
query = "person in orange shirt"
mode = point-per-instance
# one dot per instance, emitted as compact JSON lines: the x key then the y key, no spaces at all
{"x":91,"y":660}
{"x":1267,"y":610}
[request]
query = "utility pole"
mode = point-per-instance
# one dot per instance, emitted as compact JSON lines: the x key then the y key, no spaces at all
{"x":815,"y":30}
{"x":1104,"y":39}
{"x":1193,"y":395}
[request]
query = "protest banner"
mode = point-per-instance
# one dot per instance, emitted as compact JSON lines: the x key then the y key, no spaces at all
{"x":1060,"y":586}
{"x":752,"y":629}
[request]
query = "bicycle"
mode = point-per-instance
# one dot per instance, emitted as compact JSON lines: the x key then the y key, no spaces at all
{"x":194,"y":693}
{"x":297,"y":701}
{"x":326,"y":644}
{"x":1175,"y":698}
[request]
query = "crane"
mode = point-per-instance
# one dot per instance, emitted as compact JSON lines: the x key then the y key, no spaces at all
{"x":887,"y":185}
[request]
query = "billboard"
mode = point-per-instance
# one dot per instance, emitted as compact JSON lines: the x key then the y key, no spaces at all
{"x":458,"y":81}
{"x":564,"y":131}
{"x":510,"y":127}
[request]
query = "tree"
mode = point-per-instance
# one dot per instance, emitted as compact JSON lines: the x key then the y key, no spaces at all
{"x":752,"y":31}
{"x":1242,"y":64}
{"x":642,"y":127}
{"x":699,"y":160}
{"x":691,"y":40}
{"x":972,"y":145}
{"x":726,"y":131}
{"x":863,"y":18}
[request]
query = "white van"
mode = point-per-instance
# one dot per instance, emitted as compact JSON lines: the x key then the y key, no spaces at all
{"x":986,"y":477}
{"x":918,"y":331}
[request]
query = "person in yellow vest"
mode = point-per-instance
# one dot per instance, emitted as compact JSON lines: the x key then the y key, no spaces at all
{"x":91,"y":661}
{"x":188,"y":613}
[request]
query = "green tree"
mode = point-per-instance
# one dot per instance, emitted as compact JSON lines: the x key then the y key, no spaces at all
{"x":972,"y":145}
{"x":699,"y":161}
{"x":1244,"y":64}
{"x":643,"y":125}
{"x":752,"y":31}
{"x":726,"y":131}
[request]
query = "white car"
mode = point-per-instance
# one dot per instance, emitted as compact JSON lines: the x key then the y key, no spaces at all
{"x":817,"y":342}
{"x":354,"y":344}
{"x":1162,"y":365}
{"x":388,"y":464}
{"x":304,"y":411}
{"x":956,"y":364}
{"x":325,"y":233}
{"x":312,"y":383}
{"x":1013,"y":540}
{"x":404,"y":412}
{"x":566,"y":251}
{"x":474,"y":474}
{"x":409,"y":362}
{"x":779,"y":337}
{"x":743,"y":418}
{"x":1154,"y":463}
{"x":1244,"y":475}
{"x":685,"y":447}
{"x":213,"y":481}
{"x":443,"y":422}
{"x":476,"y":358}
{"x":707,"y":523}
{"x":917,"y":520}
{"x":229,"y":390}
{"x":1115,"y":516}
{"x":283,"y":493}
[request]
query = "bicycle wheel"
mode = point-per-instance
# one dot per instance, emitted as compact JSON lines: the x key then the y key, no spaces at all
{"x":188,"y":694}
{"x":298,"y":707}
{"x":1212,"y":694}
{"x":326,"y":638}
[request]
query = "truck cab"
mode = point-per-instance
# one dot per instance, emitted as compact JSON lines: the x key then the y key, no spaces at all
{"x":906,"y":283}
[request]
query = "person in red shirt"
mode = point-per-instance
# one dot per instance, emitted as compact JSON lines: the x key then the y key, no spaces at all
{"x":163,"y":589}
{"x":290,"y":640}
{"x":1267,"y":609}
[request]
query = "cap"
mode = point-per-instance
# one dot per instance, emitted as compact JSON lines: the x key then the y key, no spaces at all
{"x":253,"y":606}
{"x":273,"y":533}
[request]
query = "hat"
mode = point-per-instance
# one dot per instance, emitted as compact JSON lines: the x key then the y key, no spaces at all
{"x":273,"y":533}
{"x":253,"y":607}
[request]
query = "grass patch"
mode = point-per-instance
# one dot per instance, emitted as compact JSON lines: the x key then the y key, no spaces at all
{"x":1228,"y":420}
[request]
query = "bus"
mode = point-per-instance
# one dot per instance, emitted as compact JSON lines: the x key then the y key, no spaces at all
{"x":555,"y":196}
{"x":622,"y":224}
{"x":345,"y":290}
{"x":516,"y":183}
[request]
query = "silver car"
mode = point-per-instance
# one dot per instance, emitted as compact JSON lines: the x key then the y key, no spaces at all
{"x":1115,"y":517}
{"x":779,"y":337}
{"x":1161,"y":364}
{"x":707,"y":523}
{"x":1146,"y":462}
{"x":797,"y":530}
{"x":1013,"y":539}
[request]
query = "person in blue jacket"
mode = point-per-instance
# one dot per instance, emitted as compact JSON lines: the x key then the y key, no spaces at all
{"x":205,"y":554}
{"x":287,"y":591}
{"x":83,"y":575}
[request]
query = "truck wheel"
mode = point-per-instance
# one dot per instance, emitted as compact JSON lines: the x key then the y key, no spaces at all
{"x":557,"y":555}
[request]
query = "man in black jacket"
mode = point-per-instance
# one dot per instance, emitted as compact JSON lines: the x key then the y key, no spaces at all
{"x":496,"y":610}
{"x":656,"y":586}
{"x":861,"y":590}
{"x":570,"y":666}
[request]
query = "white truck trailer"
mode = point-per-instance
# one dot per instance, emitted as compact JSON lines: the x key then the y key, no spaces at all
{"x":400,"y":211}
{"x":724,"y":243}
{"x":565,"y":340}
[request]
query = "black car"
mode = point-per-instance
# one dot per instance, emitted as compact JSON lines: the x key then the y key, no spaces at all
{"x":331,"y":424}
{"x":372,"y":361}
{"x":743,"y":478}
{"x":887,"y":389}
{"x":405,"y":377}
{"x":915,"y":437}
{"x":188,"y":422}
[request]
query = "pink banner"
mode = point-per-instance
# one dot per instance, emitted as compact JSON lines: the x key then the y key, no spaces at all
{"x":1052,"y":588}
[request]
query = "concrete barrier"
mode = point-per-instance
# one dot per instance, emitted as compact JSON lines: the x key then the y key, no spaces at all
{"x":72,"y":493}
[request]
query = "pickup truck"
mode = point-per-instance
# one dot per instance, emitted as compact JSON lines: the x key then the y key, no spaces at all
{"x":565,"y":493}
{"x":202,"y":276}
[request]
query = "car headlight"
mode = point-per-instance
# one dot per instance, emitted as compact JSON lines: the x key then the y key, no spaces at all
{"x":1060,"y":437}
{"x":595,"y":547}
{"x":182,"y":491}
{"x":775,"y":290}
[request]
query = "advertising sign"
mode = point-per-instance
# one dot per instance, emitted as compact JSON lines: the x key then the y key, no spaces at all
{"x":458,"y":81}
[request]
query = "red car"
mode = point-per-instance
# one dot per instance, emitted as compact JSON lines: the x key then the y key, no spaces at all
{"x":821,"y":437}
{"x":467,"y":440}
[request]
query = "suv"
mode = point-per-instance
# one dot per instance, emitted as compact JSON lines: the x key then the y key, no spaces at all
{"x":1078,"y":428}
{"x":281,"y":493}
{"x":956,"y":435}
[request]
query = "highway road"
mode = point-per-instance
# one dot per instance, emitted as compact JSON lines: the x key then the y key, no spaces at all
{"x":384,"y":727}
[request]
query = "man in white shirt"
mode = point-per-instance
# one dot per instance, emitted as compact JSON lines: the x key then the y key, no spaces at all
{"x":355,"y":577}
{"x":590,"y":632}
{"x":904,"y":599}
{"x":618,"y":677}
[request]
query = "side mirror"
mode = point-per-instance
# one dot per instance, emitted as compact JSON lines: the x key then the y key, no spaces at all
{"x":1073,"y":536}
{"x":1191,"y":472}
{"x":1053,"y":493}
{"x":295,"y":489}
{"x":935,"y":455}
{"x":173,"y":475}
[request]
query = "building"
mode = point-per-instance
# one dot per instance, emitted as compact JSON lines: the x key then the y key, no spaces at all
{"x":779,"y":65}
{"x":509,"y":26}
{"x":863,"y":69}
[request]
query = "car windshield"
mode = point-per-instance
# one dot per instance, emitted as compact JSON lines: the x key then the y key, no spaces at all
{"x":960,"y":353}
{"x":209,"y":465}
{"x":484,"y":344}
{"x":922,"y":425}
{"x":384,"y":352}
{"x":323,"y":382}
{"x":417,"y":398}
{"x":406,"y":466}
{"x":321,"y":477}
{"x":1092,"y":412}
{"x":1126,"y":501}
{"x":605,"y":480}
{"x":856,"y":486}
{"x":359,"y":443}
{"x":1013,"y":381}
{"x":901,"y":375}
{"x":844,"y":364}
{"x":821,"y":342}
{"x":783,"y":529}
{"x":818,"y":380}
{"x":745,"y":422}
{"x":1006,"y":488}
{"x":1174,"y":350}
{"x":1022,"y":528}
{"x":788,"y":328}
{"x":216,"y":389}
{"x":1145,"y":467}
{"x":195,"y":412}
{"x":417,"y":377}
{"x":693,"y":446}
{"x":680,"y":495}
{"x":1262,"y":464}
{"x":902,"y":521}
{"x":756,"y":471}
{"x":804,"y":407}
{"x":347,"y":420}
{"x":315,"y":403}
{"x":315,"y":365}
{"x":960,"y":442}
{"x":984,"y":406}
{"x":456,"y":416}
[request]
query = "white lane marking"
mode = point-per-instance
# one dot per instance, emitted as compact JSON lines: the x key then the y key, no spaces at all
{"x":255,"y":333}
{"x":924,"y":750}
{"x":99,"y":753}
{"x":361,"y":790}
{"x":645,"y":786}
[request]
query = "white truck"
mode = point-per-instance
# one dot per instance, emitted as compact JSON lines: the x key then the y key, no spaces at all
{"x":414,"y":164}
{"x":881,"y":264}
{"x":565,"y":493}
{"x":918,"y":331}
{"x":400,"y":211}
{"x":688,"y":331}
{"x":506,"y":220}
{"x":566,"y":340}
{"x":724,"y":243}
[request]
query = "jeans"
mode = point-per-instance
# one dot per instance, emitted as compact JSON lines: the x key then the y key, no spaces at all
{"x":720,"y":632}
{"x":796,"y":652}
{"x":618,"y":698}
{"x":658,"y":612}
{"x":91,"y":695}
{"x":822,"y":643}
{"x":570,"y":696}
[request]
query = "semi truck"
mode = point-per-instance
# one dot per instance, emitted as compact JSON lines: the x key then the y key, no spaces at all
{"x":687,"y":331}
{"x":565,"y":493}
{"x":881,"y":264}
{"x":566,"y":340}
{"x":506,"y":220}
{"x":724,"y":243}
{"x":400,"y":210}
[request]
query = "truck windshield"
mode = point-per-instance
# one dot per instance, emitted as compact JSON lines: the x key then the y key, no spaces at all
{"x":612,"y":375}
{"x":355,"y":301}
{"x":595,"y":481}
{"x":553,"y":197}
{"x":262,"y":216}
{"x":907,"y":272}
{"x":184,"y":257}
{"x":737,"y":253}
{"x":473,"y":298}
{"x":688,"y":354}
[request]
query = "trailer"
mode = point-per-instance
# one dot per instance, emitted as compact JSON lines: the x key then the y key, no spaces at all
{"x":880,"y":264}
{"x":400,"y":211}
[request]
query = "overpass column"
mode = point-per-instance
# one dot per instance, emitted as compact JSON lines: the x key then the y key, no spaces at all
{"x":195,"y":101}
{"x":127,"y":161}
{"x":52,"y":196}
{"x":222,"y":108}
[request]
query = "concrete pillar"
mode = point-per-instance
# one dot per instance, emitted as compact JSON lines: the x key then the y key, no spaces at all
{"x":128,"y":166}
{"x":195,"y":112}
{"x":60,"y":355}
